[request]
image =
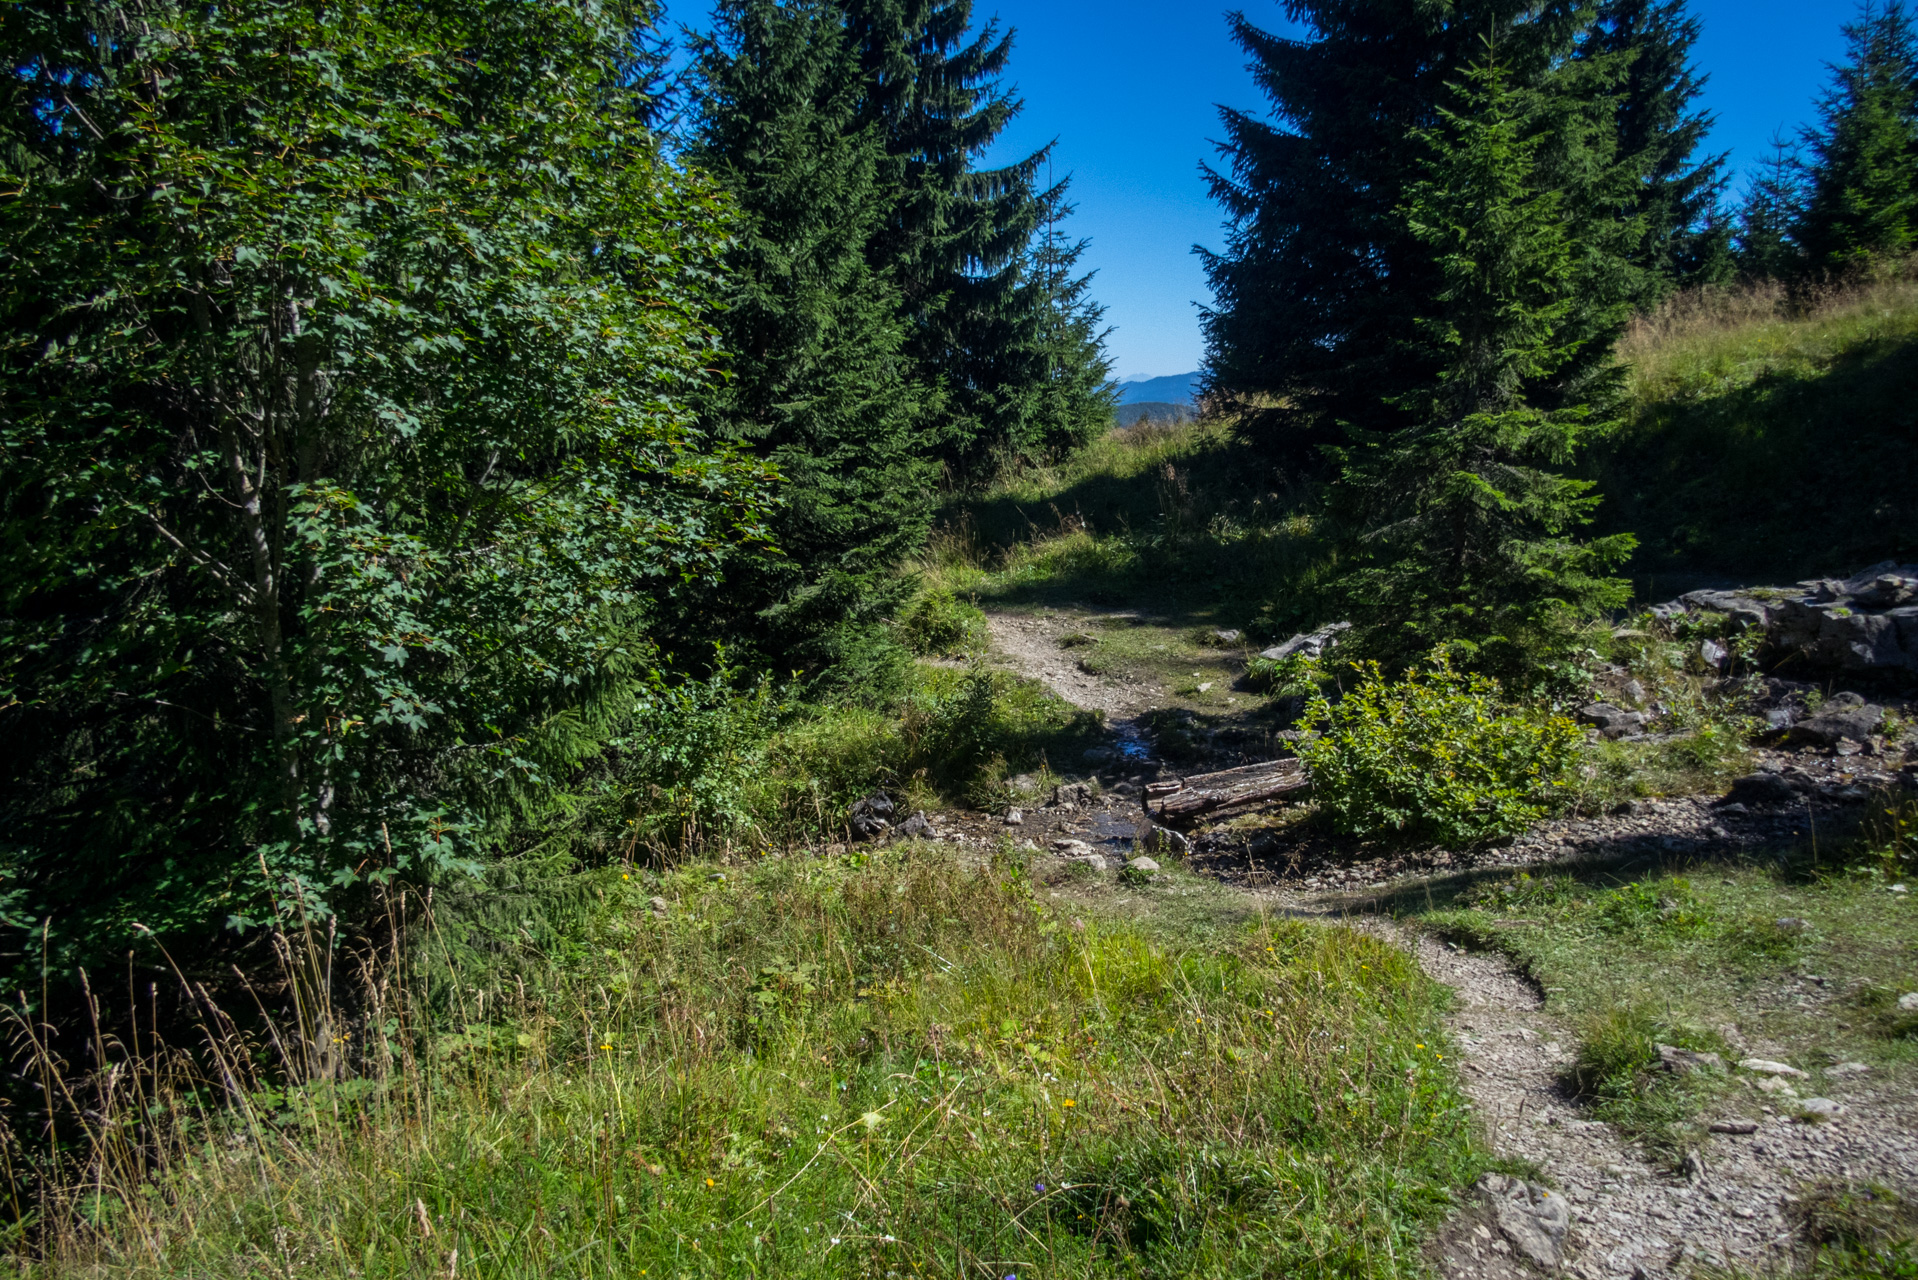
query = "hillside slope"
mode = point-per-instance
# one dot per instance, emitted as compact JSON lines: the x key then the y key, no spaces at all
{"x":1764,"y":444}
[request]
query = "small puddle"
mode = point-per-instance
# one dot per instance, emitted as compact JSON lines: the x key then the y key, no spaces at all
{"x":1120,"y":830}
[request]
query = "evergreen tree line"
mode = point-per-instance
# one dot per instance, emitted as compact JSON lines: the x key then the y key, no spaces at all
{"x":393,"y":411}
{"x":1843,"y":195}
{"x":898,"y":319}
{"x":1433,"y":242}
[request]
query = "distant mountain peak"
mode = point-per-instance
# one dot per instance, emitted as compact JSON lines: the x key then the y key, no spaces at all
{"x":1173,"y":388}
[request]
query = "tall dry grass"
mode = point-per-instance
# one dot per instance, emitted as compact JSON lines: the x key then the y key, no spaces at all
{"x":1724,"y":330}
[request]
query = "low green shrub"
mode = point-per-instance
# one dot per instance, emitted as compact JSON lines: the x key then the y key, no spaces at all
{"x":1438,"y":755}
{"x":1527,"y":893}
{"x":937,"y":623}
{"x":1295,"y":675}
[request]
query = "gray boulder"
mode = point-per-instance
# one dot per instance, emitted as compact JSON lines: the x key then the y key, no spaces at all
{"x":1611,"y":721}
{"x":1846,"y":716}
{"x":1761,"y":791}
{"x":872,"y":817}
{"x":1683,"y":1061}
{"x":915,"y":828}
{"x":1533,"y":1217}
{"x":1867,"y":623}
{"x":1072,"y":795}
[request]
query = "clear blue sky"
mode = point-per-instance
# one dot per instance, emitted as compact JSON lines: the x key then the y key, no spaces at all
{"x":1129,"y":89}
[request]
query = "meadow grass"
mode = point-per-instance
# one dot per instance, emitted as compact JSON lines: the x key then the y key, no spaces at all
{"x":900,"y":1064}
{"x":1769,"y":436}
{"x":1184,"y":519}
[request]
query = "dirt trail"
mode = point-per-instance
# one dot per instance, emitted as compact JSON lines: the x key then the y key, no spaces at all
{"x":1631,"y":1220}
{"x":1029,"y":644}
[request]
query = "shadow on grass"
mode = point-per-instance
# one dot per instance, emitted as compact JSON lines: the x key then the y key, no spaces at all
{"x":1798,"y":472}
{"x":1199,"y":527}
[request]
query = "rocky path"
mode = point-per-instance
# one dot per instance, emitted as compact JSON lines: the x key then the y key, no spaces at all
{"x":1628,"y":1218}
{"x":1600,"y":1209}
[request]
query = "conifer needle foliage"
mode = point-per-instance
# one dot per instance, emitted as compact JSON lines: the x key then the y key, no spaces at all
{"x":1463,"y":524}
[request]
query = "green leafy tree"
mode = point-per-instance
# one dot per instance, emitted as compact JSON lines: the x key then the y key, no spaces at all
{"x":1460,"y":526}
{"x":1861,"y":201}
{"x":820,"y":385}
{"x":346,"y":356}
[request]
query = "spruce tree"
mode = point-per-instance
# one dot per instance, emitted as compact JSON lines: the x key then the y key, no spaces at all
{"x":1862,"y":201}
{"x":1460,"y":526}
{"x":1320,"y":283}
{"x":1766,"y":247}
{"x":988,"y":291}
{"x":1673,"y":195}
{"x":819,"y":383}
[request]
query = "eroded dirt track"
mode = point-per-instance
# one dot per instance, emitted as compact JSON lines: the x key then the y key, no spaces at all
{"x":1630,"y":1218}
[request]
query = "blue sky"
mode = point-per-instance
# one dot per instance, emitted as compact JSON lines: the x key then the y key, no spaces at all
{"x":1129,"y":89}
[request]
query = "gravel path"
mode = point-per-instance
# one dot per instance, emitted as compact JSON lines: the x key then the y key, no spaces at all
{"x":1630,"y":1219}
{"x":1029,"y":644}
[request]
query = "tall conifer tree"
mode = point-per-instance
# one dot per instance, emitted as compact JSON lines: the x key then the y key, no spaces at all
{"x":1862,"y":201}
{"x":1766,"y":246}
{"x":1672,"y":193}
{"x":1320,"y":282}
{"x":1461,"y":525}
{"x":820,"y":385}
{"x":987,"y":292}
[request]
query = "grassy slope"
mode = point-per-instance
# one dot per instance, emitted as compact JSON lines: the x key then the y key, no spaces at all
{"x":1181,"y":519}
{"x":855,"y":1067}
{"x":1764,"y":440}
{"x":1763,"y":445}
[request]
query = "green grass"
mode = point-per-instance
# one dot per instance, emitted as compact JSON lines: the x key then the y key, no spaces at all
{"x":1184,"y":519}
{"x":1769,"y":438}
{"x":896,"y":1065}
{"x":1637,"y":957}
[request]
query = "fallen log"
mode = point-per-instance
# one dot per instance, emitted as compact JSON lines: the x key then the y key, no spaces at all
{"x":1212,"y":793}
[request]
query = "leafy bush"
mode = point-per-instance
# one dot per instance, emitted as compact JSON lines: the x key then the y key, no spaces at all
{"x":693,"y":750}
{"x":1438,"y":755}
{"x":1295,"y":675}
{"x":937,"y":623}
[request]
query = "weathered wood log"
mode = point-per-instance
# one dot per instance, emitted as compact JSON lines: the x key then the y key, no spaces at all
{"x":1211,"y":793}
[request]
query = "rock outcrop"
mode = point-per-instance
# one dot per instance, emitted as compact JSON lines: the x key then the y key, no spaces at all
{"x":1311,"y":643}
{"x":1863,"y":625}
